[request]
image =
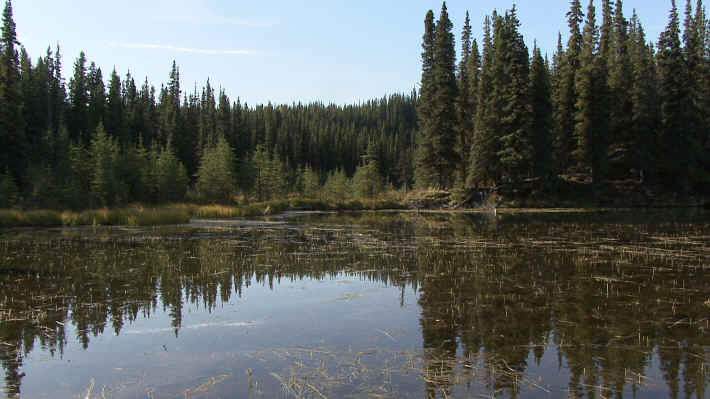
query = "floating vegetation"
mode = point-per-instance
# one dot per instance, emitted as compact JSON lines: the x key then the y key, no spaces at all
{"x":207,"y":386}
{"x":372,"y":305}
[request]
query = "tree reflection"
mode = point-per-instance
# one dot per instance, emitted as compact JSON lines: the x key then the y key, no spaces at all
{"x":496,"y":292}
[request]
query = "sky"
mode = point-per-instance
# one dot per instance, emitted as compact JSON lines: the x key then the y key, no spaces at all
{"x":332,"y":51}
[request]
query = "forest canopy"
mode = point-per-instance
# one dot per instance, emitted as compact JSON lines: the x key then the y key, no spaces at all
{"x":607,"y":106}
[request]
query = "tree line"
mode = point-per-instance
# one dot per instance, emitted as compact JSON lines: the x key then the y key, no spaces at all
{"x":93,"y":142}
{"x":609,"y":106}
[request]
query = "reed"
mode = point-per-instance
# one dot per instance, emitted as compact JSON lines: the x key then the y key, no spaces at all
{"x":40,"y":218}
{"x":139,"y":215}
{"x":129,"y":216}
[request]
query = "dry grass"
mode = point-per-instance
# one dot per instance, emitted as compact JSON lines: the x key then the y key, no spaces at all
{"x":130,"y":216}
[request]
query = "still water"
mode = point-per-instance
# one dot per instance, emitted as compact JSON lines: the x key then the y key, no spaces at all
{"x":372,"y":305}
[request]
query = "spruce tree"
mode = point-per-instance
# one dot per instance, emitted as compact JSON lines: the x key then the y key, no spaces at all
{"x":216,"y":178}
{"x":97,"y":98}
{"x":445,"y":93}
{"x":644,"y":98}
{"x":13,"y":142}
{"x":367,"y":181}
{"x":130,"y":169}
{"x":694,"y":51}
{"x":556,"y":83}
{"x":541,"y":128}
{"x":606,"y":33}
{"x":426,"y":155}
{"x":172,"y":180}
{"x":438,"y":157}
{"x":9,"y":193}
{"x":483,"y":163}
{"x":77,"y":120}
{"x":512,"y":86}
{"x":702,"y":25}
{"x":464,"y":105}
{"x":104,"y":156}
{"x":591,"y":117}
{"x":170,"y":118}
{"x":33,"y":88}
{"x":621,"y":140}
{"x":474,"y":73}
{"x":114,"y":113}
{"x":57,"y":93}
{"x":311,"y":183}
{"x":565,"y":142}
{"x":338,"y":186}
{"x":224,"y":126}
{"x":208,"y":117}
{"x":675,"y":160}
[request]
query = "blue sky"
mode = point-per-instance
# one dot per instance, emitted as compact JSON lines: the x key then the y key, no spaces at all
{"x":340,"y":51}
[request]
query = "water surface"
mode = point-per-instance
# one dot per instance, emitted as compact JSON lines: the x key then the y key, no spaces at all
{"x":372,"y":305}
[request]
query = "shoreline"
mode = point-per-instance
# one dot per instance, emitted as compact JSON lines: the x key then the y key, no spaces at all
{"x":184,"y":214}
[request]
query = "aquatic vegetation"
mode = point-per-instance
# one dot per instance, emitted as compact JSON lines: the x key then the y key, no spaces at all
{"x":370,"y":305}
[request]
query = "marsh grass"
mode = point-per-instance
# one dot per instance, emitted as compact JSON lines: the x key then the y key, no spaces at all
{"x":40,"y":218}
{"x":299,"y":204}
{"x":131,"y":216}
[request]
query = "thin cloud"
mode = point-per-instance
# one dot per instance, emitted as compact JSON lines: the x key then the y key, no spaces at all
{"x":183,"y":49}
{"x":216,"y":20}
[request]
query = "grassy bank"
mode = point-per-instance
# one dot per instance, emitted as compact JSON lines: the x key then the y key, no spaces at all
{"x":280,"y":206}
{"x":178,"y":214}
{"x":129,"y":216}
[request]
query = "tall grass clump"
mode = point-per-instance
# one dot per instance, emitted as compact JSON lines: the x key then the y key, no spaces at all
{"x":40,"y":218}
{"x":216,"y":212}
{"x":129,"y":216}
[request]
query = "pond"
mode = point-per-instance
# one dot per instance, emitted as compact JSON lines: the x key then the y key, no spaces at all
{"x":373,"y":305}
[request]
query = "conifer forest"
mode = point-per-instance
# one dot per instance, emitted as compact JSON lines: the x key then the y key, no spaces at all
{"x":526,"y":222}
{"x":610,"y":106}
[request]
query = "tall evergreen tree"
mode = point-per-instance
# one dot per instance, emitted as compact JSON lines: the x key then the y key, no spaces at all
{"x":78,"y":118}
{"x":104,"y":156}
{"x":208,"y":117}
{"x":464,"y":104}
{"x":678,"y":155}
{"x":97,"y":98}
{"x":694,"y":47}
{"x":171,"y":177}
{"x":444,"y":115}
{"x":367,"y":180}
{"x":426,"y":156}
{"x":439,"y":157}
{"x":644,"y":97}
{"x":170,"y":121}
{"x":114,"y":122}
{"x":620,"y":85}
{"x":224,"y":126}
{"x":541,"y":128}
{"x":474,"y":73}
{"x":33,"y":86}
{"x":565,"y":142}
{"x":483,"y":163}
{"x":591,"y":116}
{"x":57,"y":94}
{"x":13,"y":142}
{"x":512,"y":85}
{"x":216,"y":179}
